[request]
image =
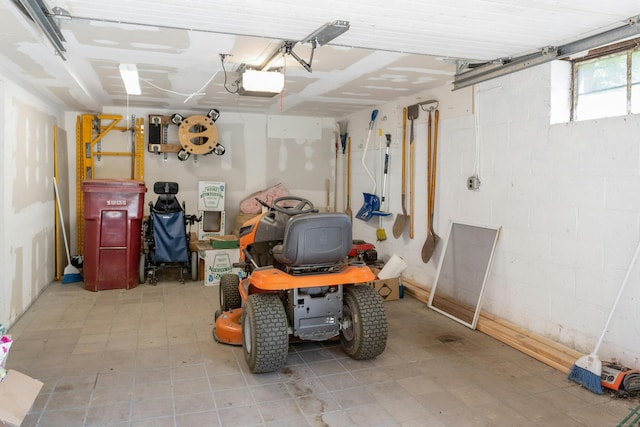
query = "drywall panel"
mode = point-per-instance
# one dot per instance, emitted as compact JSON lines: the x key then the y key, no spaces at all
{"x":252,"y":161}
{"x":294,"y":127}
{"x":27,"y":200}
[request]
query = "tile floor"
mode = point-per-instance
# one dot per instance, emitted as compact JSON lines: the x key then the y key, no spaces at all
{"x":145,"y":357}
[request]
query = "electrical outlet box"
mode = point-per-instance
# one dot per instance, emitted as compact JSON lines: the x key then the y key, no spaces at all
{"x":473,"y":183}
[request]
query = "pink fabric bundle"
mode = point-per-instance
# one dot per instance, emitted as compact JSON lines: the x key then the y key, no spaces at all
{"x":250,"y":205}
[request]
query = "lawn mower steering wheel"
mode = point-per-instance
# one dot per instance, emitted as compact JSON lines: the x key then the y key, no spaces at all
{"x":297,"y":209}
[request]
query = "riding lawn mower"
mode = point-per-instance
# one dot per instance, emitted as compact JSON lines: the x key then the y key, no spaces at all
{"x":298,"y":282}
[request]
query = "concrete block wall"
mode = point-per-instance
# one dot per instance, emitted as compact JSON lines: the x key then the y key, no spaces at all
{"x":565,"y":194}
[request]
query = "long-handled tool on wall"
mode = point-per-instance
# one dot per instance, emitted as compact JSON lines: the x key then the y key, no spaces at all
{"x":70,"y":274}
{"x":401,"y":219}
{"x":348,"y":209}
{"x":342,"y":136}
{"x":412,"y":114}
{"x":335,"y":175}
{"x":371,"y":201}
{"x":432,"y":155}
{"x":328,"y":189}
{"x":381,"y":233}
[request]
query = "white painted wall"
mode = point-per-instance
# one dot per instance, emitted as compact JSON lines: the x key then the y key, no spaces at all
{"x":566,"y":196}
{"x":260,"y":152}
{"x":27,"y":216}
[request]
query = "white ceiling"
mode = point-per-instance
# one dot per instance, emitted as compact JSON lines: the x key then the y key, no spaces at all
{"x":392,"y":49}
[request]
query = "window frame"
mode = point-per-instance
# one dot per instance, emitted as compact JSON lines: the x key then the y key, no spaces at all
{"x":628,"y":48}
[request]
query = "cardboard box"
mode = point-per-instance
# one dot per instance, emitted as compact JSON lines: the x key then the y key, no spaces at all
{"x":211,"y":196}
{"x":17,"y":394}
{"x":212,"y":224}
{"x":227,"y":241}
{"x":211,"y":200}
{"x":218,"y":262}
{"x":389,"y":289}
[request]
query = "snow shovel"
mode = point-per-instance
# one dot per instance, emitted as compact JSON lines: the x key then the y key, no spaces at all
{"x":401,"y":219}
{"x":371,"y":201}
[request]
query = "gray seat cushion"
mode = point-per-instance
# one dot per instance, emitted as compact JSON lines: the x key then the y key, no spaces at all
{"x":315,"y":239}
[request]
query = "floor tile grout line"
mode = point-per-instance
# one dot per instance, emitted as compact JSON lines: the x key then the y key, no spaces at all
{"x":173,"y":396}
{"x":557,"y":386}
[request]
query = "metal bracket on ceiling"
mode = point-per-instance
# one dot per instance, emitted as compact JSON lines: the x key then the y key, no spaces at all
{"x":319,"y":37}
{"x":287,"y":48}
{"x":38,"y":12}
{"x":502,"y":67}
{"x":461,"y":66}
{"x":549,"y":51}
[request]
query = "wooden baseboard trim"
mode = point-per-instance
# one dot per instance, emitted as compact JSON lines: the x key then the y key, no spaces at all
{"x":540,"y":348}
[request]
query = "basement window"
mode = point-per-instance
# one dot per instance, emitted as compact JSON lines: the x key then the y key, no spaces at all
{"x":606,"y":82}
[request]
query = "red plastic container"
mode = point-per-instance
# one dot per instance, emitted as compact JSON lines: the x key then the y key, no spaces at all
{"x":113,"y":210}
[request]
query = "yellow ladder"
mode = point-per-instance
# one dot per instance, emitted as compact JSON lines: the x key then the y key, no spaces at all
{"x":90,"y":129}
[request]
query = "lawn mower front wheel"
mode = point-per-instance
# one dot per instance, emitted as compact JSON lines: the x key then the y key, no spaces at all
{"x":265,"y":336}
{"x":229,"y":294}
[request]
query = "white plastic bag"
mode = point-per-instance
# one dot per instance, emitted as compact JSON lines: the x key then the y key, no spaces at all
{"x":5,"y":344}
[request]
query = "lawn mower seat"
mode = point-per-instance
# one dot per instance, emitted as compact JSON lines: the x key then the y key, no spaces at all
{"x":167,"y":201}
{"x":315,"y":239}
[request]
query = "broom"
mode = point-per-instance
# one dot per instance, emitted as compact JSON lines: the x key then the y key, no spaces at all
{"x":71,"y":274}
{"x":381,"y":233}
{"x":587,"y":369}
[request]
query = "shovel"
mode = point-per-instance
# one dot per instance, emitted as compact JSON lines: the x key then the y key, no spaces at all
{"x":401,"y":219}
{"x":432,"y":238}
{"x":412,"y":114}
{"x":371,"y":201}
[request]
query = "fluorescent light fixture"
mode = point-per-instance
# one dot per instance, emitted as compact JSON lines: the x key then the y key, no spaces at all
{"x":261,"y":83}
{"x":129,"y":74}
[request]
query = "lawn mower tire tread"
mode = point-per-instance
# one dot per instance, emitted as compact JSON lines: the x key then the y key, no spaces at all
{"x":229,"y":293}
{"x":367,"y":334}
{"x":265,"y":336}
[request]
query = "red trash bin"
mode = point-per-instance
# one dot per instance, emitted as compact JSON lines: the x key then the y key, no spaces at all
{"x":113,"y":211}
